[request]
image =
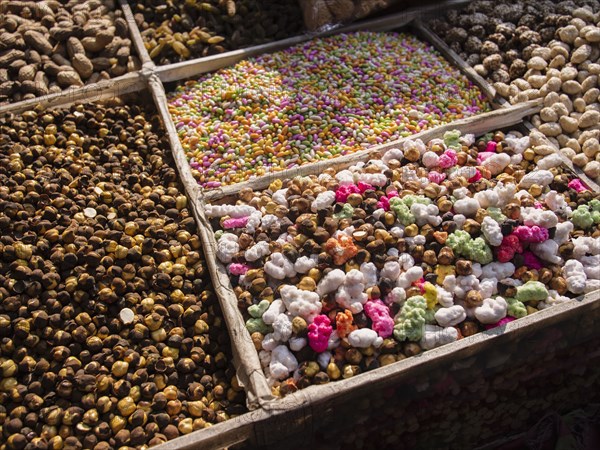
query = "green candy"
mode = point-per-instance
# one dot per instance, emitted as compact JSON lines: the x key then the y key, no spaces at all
{"x":474,"y":249}
{"x":532,"y":291}
{"x":452,"y":139}
{"x":516,"y":308}
{"x":346,"y":213}
{"x":257,"y":326}
{"x":496,"y":214}
{"x":582,"y":217}
{"x":410,"y":322}
{"x":257,"y":311}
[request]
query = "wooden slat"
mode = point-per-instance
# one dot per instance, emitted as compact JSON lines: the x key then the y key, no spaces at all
{"x":136,"y":36}
{"x":477,"y":124}
{"x":96,"y":92}
{"x":195,"y":67}
{"x":245,"y":356}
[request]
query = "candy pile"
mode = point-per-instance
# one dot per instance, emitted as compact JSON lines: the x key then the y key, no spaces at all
{"x":344,"y":272}
{"x":178,"y":31}
{"x":543,"y":50}
{"x":111,"y":335}
{"x":318,"y":100}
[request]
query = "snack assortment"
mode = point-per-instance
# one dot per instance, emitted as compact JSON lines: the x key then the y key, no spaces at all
{"x":536,"y":50}
{"x":345,"y":271}
{"x":314,"y":101}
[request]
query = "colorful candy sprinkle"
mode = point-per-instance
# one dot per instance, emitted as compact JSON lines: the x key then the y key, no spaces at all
{"x":318,"y":100}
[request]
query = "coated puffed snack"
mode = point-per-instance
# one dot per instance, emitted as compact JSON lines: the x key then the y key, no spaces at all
{"x":344,"y":271}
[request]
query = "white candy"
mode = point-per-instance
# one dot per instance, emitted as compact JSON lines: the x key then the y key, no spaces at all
{"x":365,"y":337}
{"x":282,"y":328}
{"x":435,"y":336}
{"x":492,"y":232}
{"x":301,"y":303}
{"x":498,"y":270}
{"x":283,"y":362}
{"x":369,"y":272}
{"x":448,"y":317}
{"x":426,"y":214}
{"x":540,"y":177}
{"x":331,"y":282}
{"x":279,"y":197}
{"x":279,"y":267}
{"x":227,"y":246}
{"x":350,"y":295}
{"x":275,"y":309}
{"x":496,"y":163}
{"x":323,"y":200}
{"x":234,"y":211}
{"x":575,"y":276}
{"x":257,"y":251}
{"x":492,"y":310}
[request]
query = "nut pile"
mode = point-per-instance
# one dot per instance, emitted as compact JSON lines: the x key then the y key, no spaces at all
{"x":48,"y":46}
{"x":539,"y":50}
{"x":176,"y":31}
{"x":339,"y":273}
{"x":314,"y":101}
{"x":110,"y":333}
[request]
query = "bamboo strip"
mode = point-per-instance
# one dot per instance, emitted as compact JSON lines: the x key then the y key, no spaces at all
{"x":136,"y":36}
{"x":103,"y":90}
{"x":477,"y":124}
{"x":195,"y":67}
{"x":247,"y":363}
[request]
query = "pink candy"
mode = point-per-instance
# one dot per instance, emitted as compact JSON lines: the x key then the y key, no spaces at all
{"x":238,"y":269}
{"x":436,"y":177}
{"x":342,"y":193}
{"x":530,"y":235}
{"x":481,"y":157}
{"x":501,"y":322}
{"x":379,"y":314}
{"x":475,"y":177}
{"x":491,"y":146}
{"x":362,"y":187}
{"x":532,"y":261}
{"x":384,"y":201}
{"x":319,"y":332}
{"x":509,"y":246}
{"x":577,"y":185}
{"x":237,"y":222}
{"x":448,"y":159}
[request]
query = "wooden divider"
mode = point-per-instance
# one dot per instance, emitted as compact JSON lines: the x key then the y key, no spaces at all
{"x":245,"y":357}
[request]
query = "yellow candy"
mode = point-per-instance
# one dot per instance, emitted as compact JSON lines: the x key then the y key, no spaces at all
{"x":430,"y":294}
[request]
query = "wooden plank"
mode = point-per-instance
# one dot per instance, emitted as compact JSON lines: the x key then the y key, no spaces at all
{"x":103,"y":90}
{"x":455,"y":59}
{"x":477,"y":124}
{"x":195,"y":67}
{"x":136,"y":36}
{"x":245,"y":357}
